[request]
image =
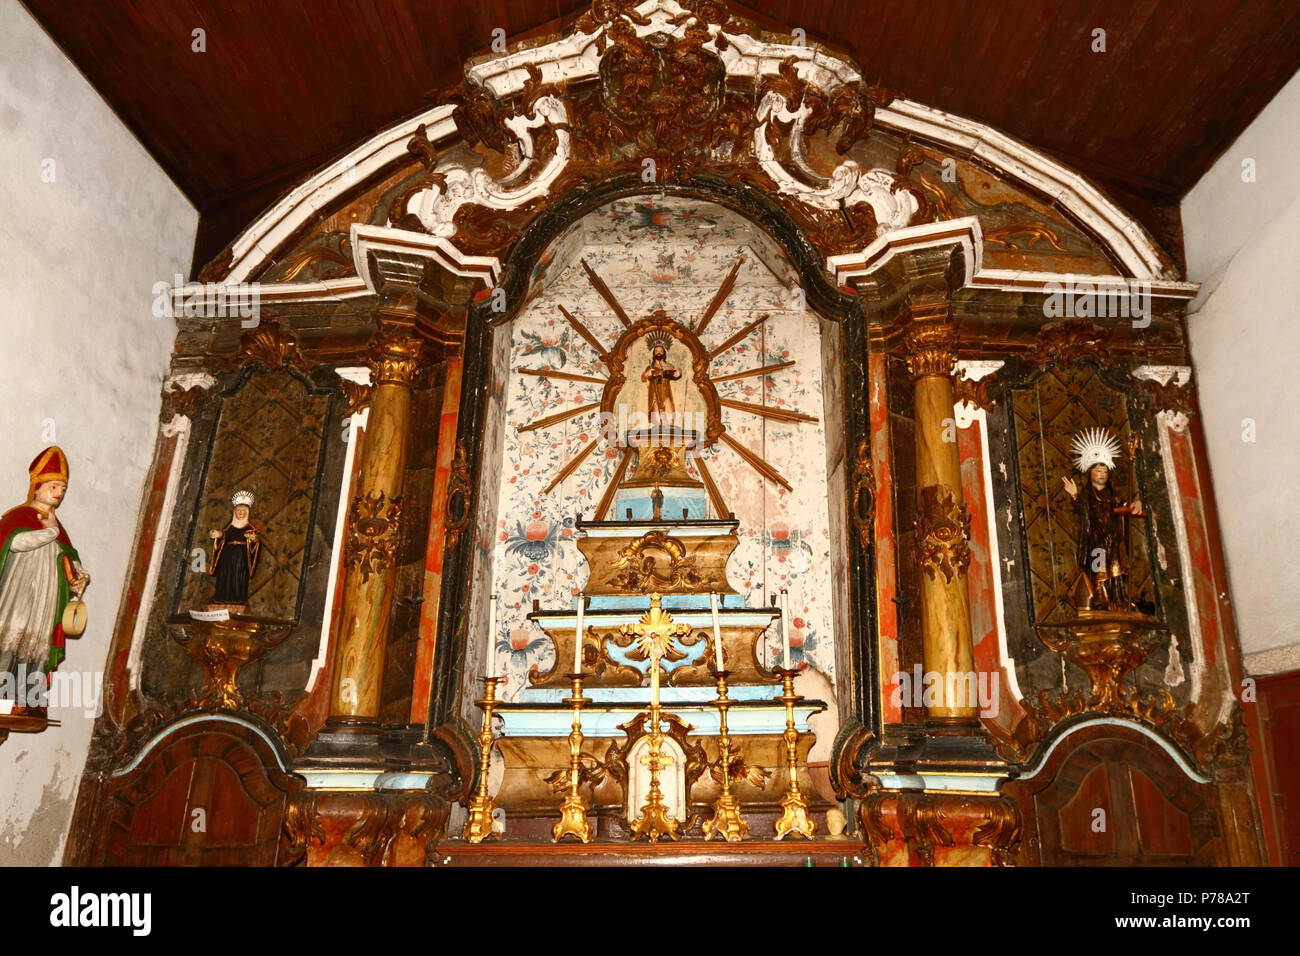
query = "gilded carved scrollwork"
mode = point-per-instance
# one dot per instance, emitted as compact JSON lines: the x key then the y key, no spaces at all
{"x":974,"y":392}
{"x":270,"y":344}
{"x":591,"y":772}
{"x":324,"y":262}
{"x":358,"y":395}
{"x":738,"y":770}
{"x":868,"y":202}
{"x":382,"y":828}
{"x":862,"y":510}
{"x":460,"y":497}
{"x":1221,"y":752}
{"x":942,"y":532}
{"x":661,"y":94}
{"x":1071,"y":341}
{"x":929,"y":821}
{"x":922,"y":823}
{"x":657,"y":562}
{"x":182,"y":401}
{"x":302,"y":828}
{"x":667,"y":95}
{"x":1170,"y":396}
{"x":871,"y":820}
{"x":374,"y":532}
{"x":533,"y":132}
{"x":1000,"y":831}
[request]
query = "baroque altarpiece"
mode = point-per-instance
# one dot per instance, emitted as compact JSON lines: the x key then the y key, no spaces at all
{"x":845,"y":451}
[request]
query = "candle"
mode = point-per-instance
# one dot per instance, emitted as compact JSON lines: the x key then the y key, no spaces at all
{"x":577,"y":637}
{"x":492,"y":637}
{"x":717,"y":632}
{"x":785,"y":629}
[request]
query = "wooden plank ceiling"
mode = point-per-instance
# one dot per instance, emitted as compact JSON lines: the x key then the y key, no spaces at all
{"x":286,"y":85}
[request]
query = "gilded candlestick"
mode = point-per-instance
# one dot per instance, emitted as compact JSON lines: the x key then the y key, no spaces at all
{"x":727,"y":821}
{"x":573,"y":811}
{"x":794,"y":805}
{"x":478,"y":827}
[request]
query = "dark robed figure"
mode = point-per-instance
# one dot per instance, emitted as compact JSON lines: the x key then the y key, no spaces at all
{"x":1101,"y":546}
{"x":234,"y":554}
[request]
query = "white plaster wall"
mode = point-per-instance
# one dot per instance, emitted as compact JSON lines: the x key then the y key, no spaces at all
{"x":81,"y":354}
{"x":1243,"y":243}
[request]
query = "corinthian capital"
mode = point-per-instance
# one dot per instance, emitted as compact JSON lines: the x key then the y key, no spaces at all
{"x":394,"y":356}
{"x":931,"y":346}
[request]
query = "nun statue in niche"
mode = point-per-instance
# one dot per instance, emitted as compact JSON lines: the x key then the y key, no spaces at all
{"x":234,"y":555}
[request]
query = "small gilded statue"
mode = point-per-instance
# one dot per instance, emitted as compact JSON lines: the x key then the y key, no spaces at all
{"x":234,"y":554}
{"x":1102,"y":540}
{"x":40,"y":579}
{"x":660,"y":376}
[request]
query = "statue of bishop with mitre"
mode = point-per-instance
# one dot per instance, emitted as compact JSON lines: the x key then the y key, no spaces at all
{"x":41,"y":579}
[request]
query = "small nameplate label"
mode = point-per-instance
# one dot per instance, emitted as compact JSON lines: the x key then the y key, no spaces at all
{"x":221,"y":615}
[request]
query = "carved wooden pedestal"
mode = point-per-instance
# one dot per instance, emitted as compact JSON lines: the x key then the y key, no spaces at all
{"x":223,"y":648}
{"x":938,"y":829}
{"x":1107,"y":645}
{"x":365,"y":828}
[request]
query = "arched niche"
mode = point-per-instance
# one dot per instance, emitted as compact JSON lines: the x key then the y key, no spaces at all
{"x":772,"y":442}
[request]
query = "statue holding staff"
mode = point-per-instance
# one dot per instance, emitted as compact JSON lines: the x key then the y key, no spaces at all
{"x":1102,"y":520}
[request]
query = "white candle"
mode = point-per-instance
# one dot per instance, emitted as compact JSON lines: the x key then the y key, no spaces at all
{"x":577,"y":638}
{"x":717,"y":632}
{"x":785,"y":629}
{"x":492,"y":637}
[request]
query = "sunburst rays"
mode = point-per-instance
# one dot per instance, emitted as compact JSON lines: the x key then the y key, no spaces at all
{"x":754,"y":460}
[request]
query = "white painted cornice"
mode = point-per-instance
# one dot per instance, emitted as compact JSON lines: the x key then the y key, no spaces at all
{"x":575,"y":58}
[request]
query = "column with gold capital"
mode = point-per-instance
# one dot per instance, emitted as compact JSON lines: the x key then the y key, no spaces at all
{"x":942,"y":521}
{"x":374,"y":523}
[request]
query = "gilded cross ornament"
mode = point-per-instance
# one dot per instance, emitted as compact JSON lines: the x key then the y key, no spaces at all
{"x":654,"y":635}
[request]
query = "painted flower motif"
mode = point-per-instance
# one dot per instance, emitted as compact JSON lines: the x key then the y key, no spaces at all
{"x":799,"y":559}
{"x":549,"y":346}
{"x":665,"y":269}
{"x":803,"y":644}
{"x":651,"y":217}
{"x":535,"y":539}
{"x":518,"y":649}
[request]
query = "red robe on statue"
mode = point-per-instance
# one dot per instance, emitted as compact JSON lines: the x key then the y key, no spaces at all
{"x":27,"y":518}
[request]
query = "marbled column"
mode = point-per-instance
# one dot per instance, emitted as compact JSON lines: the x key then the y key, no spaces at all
{"x":942,"y":522}
{"x":374,"y":526}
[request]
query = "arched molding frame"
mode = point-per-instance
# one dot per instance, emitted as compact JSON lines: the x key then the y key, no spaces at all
{"x":574,"y":60}
{"x":549,"y":188}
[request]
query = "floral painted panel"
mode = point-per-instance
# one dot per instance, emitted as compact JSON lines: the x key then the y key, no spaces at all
{"x":489,"y":485}
{"x":669,"y":254}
